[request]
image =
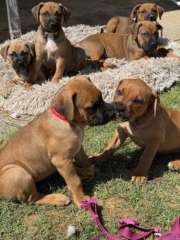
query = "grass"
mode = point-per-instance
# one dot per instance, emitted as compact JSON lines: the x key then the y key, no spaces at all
{"x":156,"y":203}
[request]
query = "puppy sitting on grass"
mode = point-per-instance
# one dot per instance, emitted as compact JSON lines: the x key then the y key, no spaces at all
{"x":53,"y":141}
{"x":150,"y":125}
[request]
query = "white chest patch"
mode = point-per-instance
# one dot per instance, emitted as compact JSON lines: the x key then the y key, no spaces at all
{"x":51,"y":45}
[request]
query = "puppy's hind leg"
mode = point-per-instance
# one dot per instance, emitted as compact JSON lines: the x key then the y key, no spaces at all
{"x":174,"y":165}
{"x":17,"y":184}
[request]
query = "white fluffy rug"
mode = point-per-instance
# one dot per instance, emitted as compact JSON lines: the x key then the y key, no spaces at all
{"x":159,"y":73}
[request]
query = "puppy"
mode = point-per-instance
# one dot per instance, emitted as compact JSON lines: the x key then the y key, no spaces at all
{"x":53,"y":141}
{"x":141,"y":42}
{"x":21,"y":55}
{"x":51,"y":45}
{"x":141,"y":12}
{"x":149,"y":124}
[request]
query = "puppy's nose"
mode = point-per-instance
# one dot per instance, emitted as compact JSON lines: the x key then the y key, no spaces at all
{"x":119,"y":107}
{"x":20,"y":59}
{"x":53,"y":24}
{"x":152,"y":17}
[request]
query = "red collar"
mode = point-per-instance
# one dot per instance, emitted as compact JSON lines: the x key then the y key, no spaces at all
{"x":58,"y":115}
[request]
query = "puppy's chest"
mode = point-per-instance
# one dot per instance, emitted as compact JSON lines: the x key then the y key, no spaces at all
{"x":51,"y":46}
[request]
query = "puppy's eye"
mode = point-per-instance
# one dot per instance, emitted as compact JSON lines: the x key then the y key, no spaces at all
{"x":58,"y":14}
{"x":137,"y":100}
{"x":24,"y":53}
{"x":93,"y":108}
{"x":154,"y":11}
{"x":145,"y":33}
{"x":142,"y":12}
{"x":13,"y":54}
{"x":119,"y":92}
{"x":45,"y":14}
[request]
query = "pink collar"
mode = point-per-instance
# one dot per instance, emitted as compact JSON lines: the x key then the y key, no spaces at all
{"x":58,"y":115}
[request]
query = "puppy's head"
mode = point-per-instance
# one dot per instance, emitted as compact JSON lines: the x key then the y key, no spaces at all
{"x":81,"y":102}
{"x":20,"y":55}
{"x":146,"y":11}
{"x":51,"y":15}
{"x":133,"y":98}
{"x":146,"y":34}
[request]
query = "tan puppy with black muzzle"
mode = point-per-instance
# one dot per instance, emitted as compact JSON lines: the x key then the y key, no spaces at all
{"x":53,"y":141}
{"x":142,"y":42}
{"x":21,"y":55}
{"x":51,"y":45}
{"x":141,"y":12}
{"x":150,"y":125}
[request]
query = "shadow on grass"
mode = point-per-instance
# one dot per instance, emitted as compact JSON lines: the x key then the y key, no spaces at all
{"x":120,"y":165}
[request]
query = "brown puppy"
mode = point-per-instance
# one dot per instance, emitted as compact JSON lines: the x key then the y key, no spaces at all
{"x":150,"y":125}
{"x":141,"y":12}
{"x":21,"y":55}
{"x":52,"y":47}
{"x":141,"y":42}
{"x":52,"y":142}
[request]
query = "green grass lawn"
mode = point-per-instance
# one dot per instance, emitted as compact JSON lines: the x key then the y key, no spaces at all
{"x":156,"y":203}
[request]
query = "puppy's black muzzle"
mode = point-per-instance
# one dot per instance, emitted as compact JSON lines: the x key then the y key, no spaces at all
{"x":119,"y":111}
{"x":21,"y":64}
{"x":52,"y":24}
{"x":101,"y":115}
{"x":106,"y":113}
{"x":151,"y":44}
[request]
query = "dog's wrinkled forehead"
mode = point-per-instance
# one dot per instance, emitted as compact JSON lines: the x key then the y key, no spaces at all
{"x":131,"y":88}
{"x":148,"y":7}
{"x":85,"y":89}
{"x":18,"y":47}
{"x":52,"y":8}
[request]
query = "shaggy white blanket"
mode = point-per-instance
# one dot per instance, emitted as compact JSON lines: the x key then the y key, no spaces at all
{"x":159,"y":73}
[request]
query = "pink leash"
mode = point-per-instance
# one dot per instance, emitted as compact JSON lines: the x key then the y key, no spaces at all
{"x":125,"y":231}
{"x":174,"y":234}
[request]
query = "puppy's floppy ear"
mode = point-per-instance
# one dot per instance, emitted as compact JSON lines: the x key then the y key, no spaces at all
{"x":65,"y":14}
{"x":36,"y":10}
{"x":4,"y":50}
{"x":31,"y":48}
{"x":160,"y":10}
{"x":134,"y":13}
{"x":64,"y":103}
{"x":135,"y":29}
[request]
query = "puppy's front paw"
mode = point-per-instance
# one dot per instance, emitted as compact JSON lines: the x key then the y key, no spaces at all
{"x":108,"y":65}
{"x":139,"y":179}
{"x":174,"y":165}
{"x":55,"y":80}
